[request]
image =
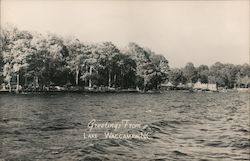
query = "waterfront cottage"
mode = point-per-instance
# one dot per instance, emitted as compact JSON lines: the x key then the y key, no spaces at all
{"x":205,"y":86}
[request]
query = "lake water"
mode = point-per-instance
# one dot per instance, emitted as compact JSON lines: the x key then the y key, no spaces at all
{"x":180,"y":126}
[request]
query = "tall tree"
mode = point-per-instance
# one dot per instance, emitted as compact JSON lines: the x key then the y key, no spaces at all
{"x":176,"y":76}
{"x":124,"y":71}
{"x":77,"y":57}
{"x":190,"y":72}
{"x":161,"y":69}
{"x":144,"y":66}
{"x":15,"y":54}
{"x":203,"y":72}
{"x":38,"y":60}
{"x":107,"y":60}
{"x":8,"y":36}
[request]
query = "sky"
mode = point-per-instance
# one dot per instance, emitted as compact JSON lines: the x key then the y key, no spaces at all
{"x":202,"y":32}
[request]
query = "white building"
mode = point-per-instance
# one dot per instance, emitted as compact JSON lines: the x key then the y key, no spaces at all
{"x":205,"y":86}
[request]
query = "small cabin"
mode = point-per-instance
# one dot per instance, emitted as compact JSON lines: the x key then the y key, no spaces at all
{"x":205,"y":86}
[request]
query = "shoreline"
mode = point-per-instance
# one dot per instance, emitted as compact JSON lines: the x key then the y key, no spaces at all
{"x":117,"y":91}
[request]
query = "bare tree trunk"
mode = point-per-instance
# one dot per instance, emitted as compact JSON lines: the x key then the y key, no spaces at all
{"x":17,"y":83}
{"x":77,"y":76}
{"x":9,"y":85}
{"x":34,"y":83}
{"x":85,"y":82}
{"x":158,"y":85}
{"x":122,"y":80}
{"x":25,"y":81}
{"x":109,"y":79}
{"x":25,"y":78}
{"x":90,"y":81}
{"x":144,"y":85}
{"x":115,"y":80}
{"x":37,"y":82}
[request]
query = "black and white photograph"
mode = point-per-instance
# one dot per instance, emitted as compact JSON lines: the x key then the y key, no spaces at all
{"x":124,"y":80}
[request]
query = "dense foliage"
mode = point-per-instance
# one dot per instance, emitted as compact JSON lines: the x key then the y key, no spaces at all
{"x":224,"y":75}
{"x":40,"y":61}
{"x":37,"y":61}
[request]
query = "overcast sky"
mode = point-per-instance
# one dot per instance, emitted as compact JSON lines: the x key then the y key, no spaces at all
{"x":202,"y":32}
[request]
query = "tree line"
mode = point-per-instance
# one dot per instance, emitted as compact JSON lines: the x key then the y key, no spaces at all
{"x":224,"y":75}
{"x":39,"y":61}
